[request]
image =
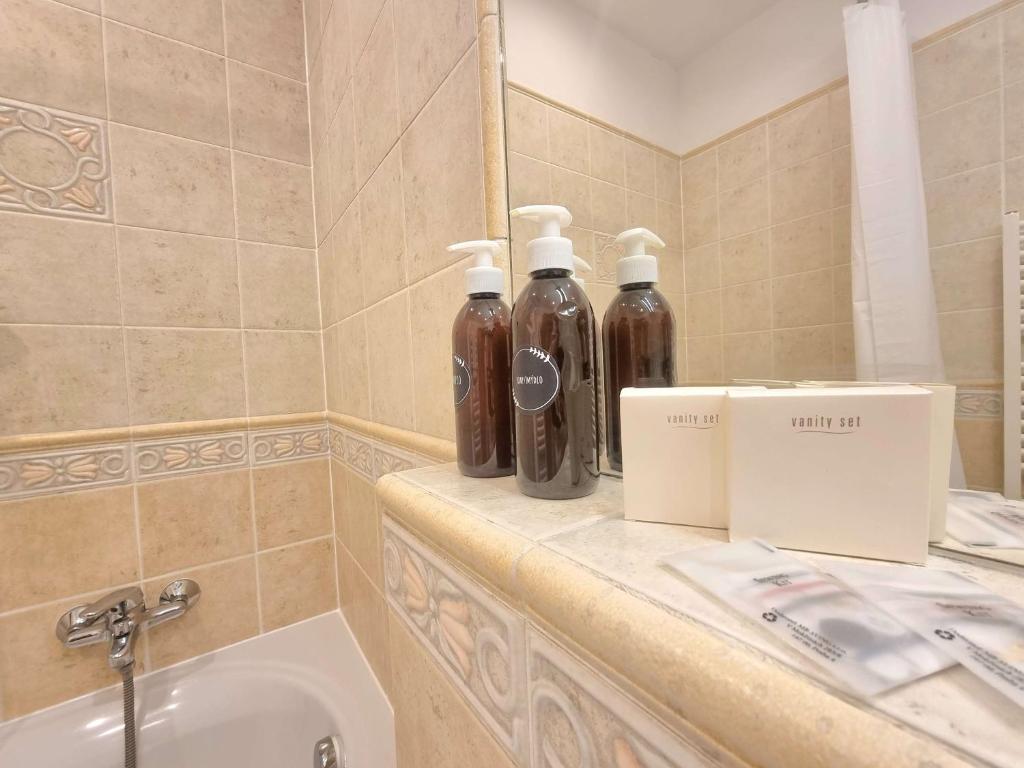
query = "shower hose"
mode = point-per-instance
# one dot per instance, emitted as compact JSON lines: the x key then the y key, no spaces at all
{"x":128,"y":690}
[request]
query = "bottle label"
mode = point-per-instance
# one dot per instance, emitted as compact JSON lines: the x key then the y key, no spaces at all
{"x":535,"y":379}
{"x":462,"y":380}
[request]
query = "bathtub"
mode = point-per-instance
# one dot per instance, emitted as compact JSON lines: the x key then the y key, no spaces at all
{"x":262,"y":703}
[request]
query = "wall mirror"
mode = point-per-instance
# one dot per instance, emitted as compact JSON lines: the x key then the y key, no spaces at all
{"x":728,"y":129}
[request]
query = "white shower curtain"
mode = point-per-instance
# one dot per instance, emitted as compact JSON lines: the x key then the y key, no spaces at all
{"x":895,"y":325}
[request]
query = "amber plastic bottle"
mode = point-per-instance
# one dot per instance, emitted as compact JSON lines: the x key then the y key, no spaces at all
{"x":639,"y":334}
{"x":554,"y":370}
{"x":481,"y":362}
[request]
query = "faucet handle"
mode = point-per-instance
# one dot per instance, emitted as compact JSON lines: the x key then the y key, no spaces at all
{"x":176,"y":598}
{"x":74,"y":631}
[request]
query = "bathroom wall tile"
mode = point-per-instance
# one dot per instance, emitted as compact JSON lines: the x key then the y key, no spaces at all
{"x":641,"y":211}
{"x":745,"y":258}
{"x":567,"y":141}
{"x":968,"y":275}
{"x":703,"y":268}
{"x":958,"y":67}
{"x":961,"y":137}
{"x":297,"y":582}
{"x":803,"y":353}
{"x":529,"y":180}
{"x":194,"y":519}
{"x":572,"y":190}
{"x":171,"y":183}
{"x":189,"y":454}
{"x":704,"y":358}
{"x":332,"y":367}
{"x":57,"y":378}
{"x":381,"y":214}
{"x":748,"y":355}
{"x":354,"y":372}
{"x":390,"y":354}
{"x":800,"y":134}
{"x":1014,"y":173}
{"x":669,"y":184}
{"x":54,"y":271}
{"x":319,"y":114}
{"x":670,"y":224}
{"x":53,"y":55}
{"x":67,"y":469}
{"x":178,"y":280}
{"x":273,"y":446}
{"x":845,"y":354}
{"x":1013,"y":122}
{"x":842,"y":171}
{"x":839,"y":116}
{"x":278,"y":212}
{"x":347,"y":285}
{"x":322,"y":196}
{"x":376,"y":97}
{"x":744,"y":158}
{"x":431,"y":36}
{"x":841,"y":233}
{"x":272,"y":39}
{"x":314,"y":29}
{"x":365,"y":613}
{"x":191,"y":99}
{"x":1013,"y":45}
{"x":226,"y":614}
{"x":341,"y":155}
{"x":972,"y":345}
{"x":337,"y":56}
{"x":640,"y":171}
{"x":269,"y":114}
{"x":283,"y":372}
{"x":607,"y":155}
{"x":981,"y":448}
{"x":700,"y":221}
{"x":743,"y":209}
{"x":184,"y":375}
{"x":802,"y":245}
{"x":704,"y":313}
{"x":802,"y":189}
{"x":527,"y":120}
{"x":278,"y":285}
{"x":747,"y":307}
{"x":357,"y":523}
{"x":802,"y":299}
{"x":964,"y":207}
{"x":842,"y":294}
{"x":363,"y":16}
{"x":700,"y":177}
{"x":41,"y":552}
{"x":442,"y":181}
{"x":194,"y":21}
{"x":608,"y":207}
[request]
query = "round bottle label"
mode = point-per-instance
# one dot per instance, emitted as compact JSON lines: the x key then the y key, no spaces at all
{"x":462,"y":380}
{"x":535,"y":379}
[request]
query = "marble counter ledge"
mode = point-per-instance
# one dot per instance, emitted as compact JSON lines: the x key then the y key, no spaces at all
{"x":576,"y":569}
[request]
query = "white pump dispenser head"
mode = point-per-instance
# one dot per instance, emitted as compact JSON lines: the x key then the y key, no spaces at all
{"x":637,"y":266}
{"x":577,"y":263}
{"x":550,"y":250}
{"x":483,"y":276}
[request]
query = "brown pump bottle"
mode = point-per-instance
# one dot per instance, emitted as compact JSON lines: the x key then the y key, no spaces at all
{"x":554,"y":369}
{"x":639,"y":333}
{"x":481,"y":361}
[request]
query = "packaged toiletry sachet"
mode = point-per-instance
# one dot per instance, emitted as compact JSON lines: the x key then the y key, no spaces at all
{"x":860,"y":645}
{"x":980,"y":519}
{"x":972,"y":624}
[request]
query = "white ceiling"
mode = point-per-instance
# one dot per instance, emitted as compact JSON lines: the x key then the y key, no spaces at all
{"x":674,"y":30}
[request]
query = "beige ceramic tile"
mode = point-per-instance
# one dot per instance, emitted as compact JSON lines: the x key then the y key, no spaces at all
{"x":333,"y":374}
{"x":640,"y":170}
{"x":700,"y":221}
{"x":842,"y":294}
{"x":184,"y":375}
{"x":572,"y":190}
{"x":607,"y":155}
{"x":297,"y":582}
{"x":800,"y":134}
{"x":322,"y":195}
{"x":802,"y":299}
{"x":41,"y":552}
{"x":314,"y":29}
{"x":341,"y":155}
{"x":194,"y":21}
{"x":376,"y":97}
{"x":170,"y":183}
{"x":1013,"y":125}
{"x":337,"y":56}
{"x":365,"y":612}
{"x":964,"y":207}
{"x":380,"y":219}
{"x":839,"y":116}
{"x":283,"y":372}
{"x":958,"y":68}
{"x":981,"y":448}
{"x":529,"y":183}
{"x":667,"y":177}
{"x":641,"y":211}
{"x":802,"y":245}
{"x":704,"y":313}
{"x":1014,"y":174}
{"x":743,"y":209}
{"x":747,"y":307}
{"x":961,"y":138}
{"x":354,"y":372}
{"x":280,"y":211}
{"x":700,"y":177}
{"x":347,"y":285}
{"x":745,"y":258}
{"x":803,"y":353}
{"x":59,"y":378}
{"x":195,"y":519}
{"x":1013,"y":45}
{"x":363,"y":16}
{"x":842,"y":171}
{"x":845,"y":355}
{"x":431,"y":35}
{"x":608,"y":207}
{"x":227,"y":612}
{"x":55,"y":271}
{"x":272,"y":39}
{"x":841,"y":233}
{"x":527,"y":120}
{"x":278,"y":285}
{"x":567,"y":141}
{"x":390,"y":354}
{"x":170,"y":87}
{"x":748,"y":355}
{"x":704,"y":358}
{"x":319,"y":116}
{"x":968,"y":275}
{"x":802,"y":189}
{"x":357,"y":523}
{"x":179,"y":280}
{"x":53,"y":56}
{"x":292,"y":501}
{"x":442,"y":172}
{"x":744,"y":158}
{"x":703,"y":268}
{"x":670,"y":224}
{"x":972,"y":345}
{"x":269,"y":114}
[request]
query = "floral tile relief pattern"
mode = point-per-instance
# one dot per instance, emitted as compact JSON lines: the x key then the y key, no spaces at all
{"x":53,"y":162}
{"x":285,"y":444}
{"x":34,"y":474}
{"x":979,"y":404}
{"x":371,"y":458}
{"x":477,"y":641}
{"x":170,"y":457}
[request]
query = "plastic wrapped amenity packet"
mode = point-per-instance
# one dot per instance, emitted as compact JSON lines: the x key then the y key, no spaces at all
{"x":822,"y":618}
{"x":985,"y":520}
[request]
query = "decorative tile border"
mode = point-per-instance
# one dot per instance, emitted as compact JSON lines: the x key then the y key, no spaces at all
{"x":372,"y":458}
{"x":269,"y":446}
{"x":475,"y":639}
{"x":35,"y":474}
{"x":64,"y":165}
{"x":979,"y":404}
{"x":154,"y":458}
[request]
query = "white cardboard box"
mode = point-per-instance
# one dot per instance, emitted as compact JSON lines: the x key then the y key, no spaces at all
{"x":837,"y":470}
